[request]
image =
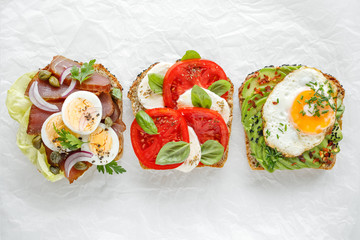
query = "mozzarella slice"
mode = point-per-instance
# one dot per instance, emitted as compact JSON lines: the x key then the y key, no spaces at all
{"x":195,"y":153}
{"x":219,"y":104}
{"x":147,"y":97}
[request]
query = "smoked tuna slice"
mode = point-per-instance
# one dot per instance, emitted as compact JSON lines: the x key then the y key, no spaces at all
{"x":37,"y":118}
{"x":96,"y":83}
{"x":107,"y":105}
{"x":115,"y":116}
{"x":119,"y":127}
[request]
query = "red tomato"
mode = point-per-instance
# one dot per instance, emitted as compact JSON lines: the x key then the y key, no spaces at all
{"x":171,"y":127}
{"x":183,"y":75}
{"x":207,"y":124}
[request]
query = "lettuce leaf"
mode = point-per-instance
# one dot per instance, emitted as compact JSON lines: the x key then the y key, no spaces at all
{"x":19,"y":107}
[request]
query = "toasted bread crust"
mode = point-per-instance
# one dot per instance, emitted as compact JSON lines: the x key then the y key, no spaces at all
{"x":253,"y":163}
{"x":99,"y":68}
{"x":137,"y":106}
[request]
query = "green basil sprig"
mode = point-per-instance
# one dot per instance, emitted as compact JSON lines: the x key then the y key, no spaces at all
{"x":116,"y":93}
{"x":200,"y":98}
{"x":146,"y":122}
{"x":156,"y":82}
{"x":190,"y":54}
{"x":173,"y":152}
{"x":220,"y":87}
{"x":211,"y":152}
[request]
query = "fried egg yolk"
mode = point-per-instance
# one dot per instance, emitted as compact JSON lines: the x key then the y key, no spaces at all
{"x":303,"y":114}
{"x":100,"y":142}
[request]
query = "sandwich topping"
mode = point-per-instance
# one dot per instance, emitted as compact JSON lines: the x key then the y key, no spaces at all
{"x":292,"y":117}
{"x":80,"y":133}
{"x":195,"y":91}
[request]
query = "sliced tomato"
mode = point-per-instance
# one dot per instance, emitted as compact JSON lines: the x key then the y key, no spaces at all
{"x":183,"y":75}
{"x":171,"y":127}
{"x":207,"y":124}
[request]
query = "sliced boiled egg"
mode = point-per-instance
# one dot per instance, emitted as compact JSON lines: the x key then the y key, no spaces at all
{"x":195,"y":153}
{"x":81,"y":112}
{"x":48,"y":134}
{"x":103,"y":143}
{"x":219,"y":104}
{"x":147,"y":97}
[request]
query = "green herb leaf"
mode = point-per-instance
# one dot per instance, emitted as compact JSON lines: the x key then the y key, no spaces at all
{"x":110,"y":168}
{"x":200,"y":98}
{"x":190,"y":54}
{"x":211,"y":152}
{"x":146,"y":122}
{"x":84,"y":72}
{"x":116,"y":93}
{"x":67,"y":140}
{"x":173,"y":152}
{"x":156,"y":82}
{"x":220,"y":87}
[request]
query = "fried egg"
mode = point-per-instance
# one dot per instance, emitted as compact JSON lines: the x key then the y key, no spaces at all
{"x":48,"y":134}
{"x":81,"y":112}
{"x":298,"y":112}
{"x":103,"y":143}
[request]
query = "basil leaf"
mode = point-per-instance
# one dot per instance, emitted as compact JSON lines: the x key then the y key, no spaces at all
{"x":200,"y":98}
{"x":146,"y":123}
{"x":211,"y":152}
{"x":190,"y":54}
{"x":116,"y":93}
{"x":156,"y":82}
{"x":173,"y":152}
{"x":220,"y":87}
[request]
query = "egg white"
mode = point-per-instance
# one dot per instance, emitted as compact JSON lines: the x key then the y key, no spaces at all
{"x":114,"y":150}
{"x":91,"y":97}
{"x":290,"y":142}
{"x":46,"y":138}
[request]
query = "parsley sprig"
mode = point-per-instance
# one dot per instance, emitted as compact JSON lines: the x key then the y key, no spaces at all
{"x":67,"y":140}
{"x":319,"y":98}
{"x":110,"y":168}
{"x":84,"y":72}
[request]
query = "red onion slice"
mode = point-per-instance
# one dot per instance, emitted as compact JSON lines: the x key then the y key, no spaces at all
{"x":75,"y":158}
{"x":69,"y":89}
{"x":38,"y":101}
{"x":64,"y":74}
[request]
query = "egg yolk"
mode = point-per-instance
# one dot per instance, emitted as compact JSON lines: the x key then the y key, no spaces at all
{"x":100,"y":142}
{"x":303,"y":116}
{"x":81,"y":114}
{"x":52,"y":134}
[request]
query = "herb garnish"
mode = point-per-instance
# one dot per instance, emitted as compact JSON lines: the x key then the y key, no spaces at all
{"x":67,"y":140}
{"x":267,"y":133}
{"x":110,"y":168}
{"x":190,"y":54}
{"x":84,"y":72}
{"x":156,"y":82}
{"x":318,"y":99}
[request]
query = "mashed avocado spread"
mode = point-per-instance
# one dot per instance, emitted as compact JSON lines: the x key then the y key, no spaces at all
{"x":255,"y":92}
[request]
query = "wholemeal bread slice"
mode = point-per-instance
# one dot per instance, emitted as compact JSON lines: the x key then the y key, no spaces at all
{"x":253,"y":163}
{"x":137,"y":106}
{"x":99,"y":68}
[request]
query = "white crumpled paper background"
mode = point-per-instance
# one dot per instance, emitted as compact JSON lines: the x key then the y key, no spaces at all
{"x":229,"y":203}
